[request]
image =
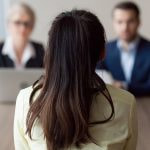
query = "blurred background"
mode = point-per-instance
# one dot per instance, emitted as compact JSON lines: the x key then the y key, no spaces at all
{"x":47,"y":10}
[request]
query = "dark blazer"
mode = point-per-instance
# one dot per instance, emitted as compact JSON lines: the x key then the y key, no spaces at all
{"x":140,"y":79}
{"x":36,"y":62}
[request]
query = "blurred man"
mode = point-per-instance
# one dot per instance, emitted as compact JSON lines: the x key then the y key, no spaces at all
{"x":128,"y":57}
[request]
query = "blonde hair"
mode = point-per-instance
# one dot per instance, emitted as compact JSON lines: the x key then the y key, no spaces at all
{"x":19,"y":7}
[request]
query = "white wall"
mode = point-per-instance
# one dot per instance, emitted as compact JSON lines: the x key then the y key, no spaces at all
{"x":46,"y":10}
{"x":4,"y":6}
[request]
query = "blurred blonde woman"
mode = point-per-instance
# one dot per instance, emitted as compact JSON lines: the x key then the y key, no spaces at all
{"x":18,"y":50}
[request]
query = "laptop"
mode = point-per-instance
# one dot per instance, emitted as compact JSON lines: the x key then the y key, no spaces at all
{"x":12,"y":81}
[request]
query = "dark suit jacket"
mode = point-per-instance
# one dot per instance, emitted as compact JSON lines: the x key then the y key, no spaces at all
{"x":140,"y":79}
{"x":36,"y":62}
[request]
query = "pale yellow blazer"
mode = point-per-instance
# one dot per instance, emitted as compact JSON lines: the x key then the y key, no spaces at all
{"x":118,"y":134}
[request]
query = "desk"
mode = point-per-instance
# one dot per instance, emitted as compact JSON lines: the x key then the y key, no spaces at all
{"x":143,"y":108}
{"x":6,"y":126}
{"x":7,"y":116}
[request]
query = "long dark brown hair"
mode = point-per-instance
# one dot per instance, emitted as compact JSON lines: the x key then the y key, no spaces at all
{"x":76,"y":42}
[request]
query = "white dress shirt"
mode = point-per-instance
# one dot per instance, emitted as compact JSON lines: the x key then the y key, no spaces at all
{"x":127,"y":57}
{"x":28,"y":53}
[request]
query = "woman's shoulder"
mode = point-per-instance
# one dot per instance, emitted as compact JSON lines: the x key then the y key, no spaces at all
{"x":26,"y":93}
{"x":23,"y":100}
{"x":22,"y":105}
{"x":120,"y":94}
{"x":123,"y":102}
{"x":120,"y":127}
{"x":23,"y":97}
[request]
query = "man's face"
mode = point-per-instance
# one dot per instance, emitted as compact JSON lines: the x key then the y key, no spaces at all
{"x":126,"y":24}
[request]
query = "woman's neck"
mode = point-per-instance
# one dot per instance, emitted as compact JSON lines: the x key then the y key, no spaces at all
{"x":19,"y":47}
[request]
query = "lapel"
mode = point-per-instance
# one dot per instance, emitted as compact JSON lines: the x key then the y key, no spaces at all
{"x":32,"y":62}
{"x":137,"y":63}
{"x":7,"y":62}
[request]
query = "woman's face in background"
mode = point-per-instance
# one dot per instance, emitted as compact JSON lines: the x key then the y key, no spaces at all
{"x":20,"y":26}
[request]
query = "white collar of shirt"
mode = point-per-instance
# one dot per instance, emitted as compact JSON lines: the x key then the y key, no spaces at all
{"x":132,"y":45}
{"x":28,"y":53}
